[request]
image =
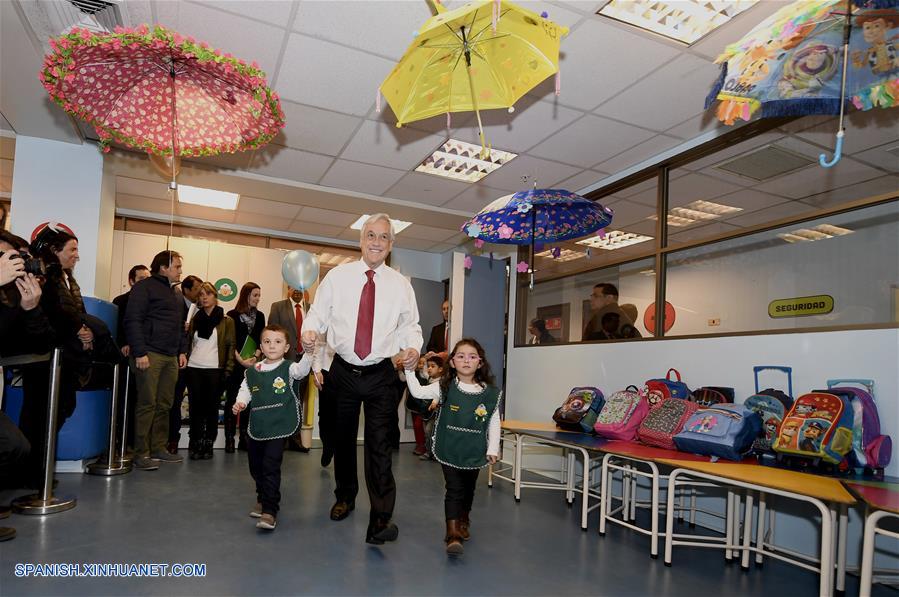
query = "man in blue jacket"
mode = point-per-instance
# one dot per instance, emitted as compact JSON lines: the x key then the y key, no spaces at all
{"x":158,"y":349}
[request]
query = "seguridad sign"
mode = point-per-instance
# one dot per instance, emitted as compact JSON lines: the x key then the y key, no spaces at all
{"x":800,"y":307}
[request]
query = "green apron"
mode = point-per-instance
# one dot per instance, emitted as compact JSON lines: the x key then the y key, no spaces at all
{"x":274,"y":409}
{"x":460,"y":434}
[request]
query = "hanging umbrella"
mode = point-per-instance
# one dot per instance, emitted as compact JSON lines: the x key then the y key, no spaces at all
{"x":157,"y":91}
{"x":484,"y":55}
{"x":813,"y":57}
{"x":537,"y":215}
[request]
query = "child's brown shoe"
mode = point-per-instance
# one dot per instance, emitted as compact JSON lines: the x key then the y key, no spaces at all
{"x":256,"y":512}
{"x":267,"y":522}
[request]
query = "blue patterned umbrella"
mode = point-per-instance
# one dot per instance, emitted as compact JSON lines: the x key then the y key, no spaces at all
{"x":537,"y":215}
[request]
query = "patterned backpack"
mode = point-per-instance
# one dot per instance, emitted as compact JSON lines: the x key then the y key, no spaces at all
{"x":664,"y":421}
{"x":622,"y":414}
{"x":710,"y":395}
{"x":772,"y":406}
{"x":722,"y":430}
{"x":657,"y":390}
{"x":870,"y":449}
{"x":580,"y":409}
{"x":818,"y":427}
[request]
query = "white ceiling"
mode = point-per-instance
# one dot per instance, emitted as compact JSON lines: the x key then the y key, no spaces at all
{"x":626,"y":97}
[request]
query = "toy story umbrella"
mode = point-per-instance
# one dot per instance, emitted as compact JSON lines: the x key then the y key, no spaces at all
{"x":158,"y":91}
{"x":812,"y":57}
{"x":484,"y":55}
{"x":537,"y":215}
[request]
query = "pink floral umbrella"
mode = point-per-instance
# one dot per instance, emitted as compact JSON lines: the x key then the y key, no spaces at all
{"x":157,"y":91}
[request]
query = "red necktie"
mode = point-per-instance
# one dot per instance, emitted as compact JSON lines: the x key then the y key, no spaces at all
{"x":366,"y":318}
{"x":298,"y":313}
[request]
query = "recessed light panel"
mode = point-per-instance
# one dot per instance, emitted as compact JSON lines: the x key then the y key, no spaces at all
{"x":698,"y":211}
{"x":682,"y":20}
{"x":398,"y":225}
{"x":207,"y":197}
{"x":564,"y":255}
{"x":459,"y":160}
{"x":812,"y":234}
{"x":614,"y":239}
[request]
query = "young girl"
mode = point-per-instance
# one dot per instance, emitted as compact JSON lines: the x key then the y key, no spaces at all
{"x":466,"y":433}
{"x":274,"y":416}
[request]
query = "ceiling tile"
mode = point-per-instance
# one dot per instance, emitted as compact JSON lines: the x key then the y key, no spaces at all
{"x":364,"y":178}
{"x":327,"y":216}
{"x":231,"y":161}
{"x":639,"y":153}
{"x":474,"y":199}
{"x":864,"y":130}
{"x":814,"y":179}
{"x":275,"y":12}
{"x":312,"y":129}
{"x":261,"y":221}
{"x":291,"y":164}
{"x":272,"y":209}
{"x":666,"y":97}
{"x":748,"y":200}
{"x":547,"y":174}
{"x":700,"y":125}
{"x":697,"y":232}
{"x":862,"y":190}
{"x":603,"y":59}
{"x":413,"y":243}
{"x":587,"y":7}
{"x":555,"y":13}
{"x":442,"y":247}
{"x":383,"y":145}
{"x":581,"y":180}
{"x":351,"y":24}
{"x":429,"y":233}
{"x":787,"y":209}
{"x":693,"y":187}
{"x":735,"y":150}
{"x":138,"y":203}
{"x":435,"y":124}
{"x":348,"y":234}
{"x":879,"y":156}
{"x":200,"y":212}
{"x":144,"y":188}
{"x":248,"y":40}
{"x":627,"y":212}
{"x":305,"y":77}
{"x":311,"y":228}
{"x":712,"y":44}
{"x":590,"y":140}
{"x":426,"y":188}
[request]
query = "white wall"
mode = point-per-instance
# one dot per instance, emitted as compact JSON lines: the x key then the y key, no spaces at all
{"x":418,"y":264}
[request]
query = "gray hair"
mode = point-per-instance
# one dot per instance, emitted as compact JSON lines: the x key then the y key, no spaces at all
{"x":377,"y":218}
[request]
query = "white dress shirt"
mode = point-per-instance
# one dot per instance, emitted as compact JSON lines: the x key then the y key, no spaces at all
{"x":336,"y":308}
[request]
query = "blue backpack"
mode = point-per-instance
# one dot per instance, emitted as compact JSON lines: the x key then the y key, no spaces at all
{"x":772,"y":406}
{"x":722,"y":430}
{"x":580,"y":409}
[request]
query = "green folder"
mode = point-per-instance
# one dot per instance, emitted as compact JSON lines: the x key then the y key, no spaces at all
{"x":249,"y":348}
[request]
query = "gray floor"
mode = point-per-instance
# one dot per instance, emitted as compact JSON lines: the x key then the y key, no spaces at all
{"x":196,"y":512}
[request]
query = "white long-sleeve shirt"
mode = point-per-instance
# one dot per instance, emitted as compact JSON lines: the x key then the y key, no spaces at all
{"x":432,"y":392}
{"x":298,"y":370}
{"x":336,"y":309}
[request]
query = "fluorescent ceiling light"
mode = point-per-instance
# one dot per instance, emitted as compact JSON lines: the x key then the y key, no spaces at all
{"x":398,"y":225}
{"x":207,"y":197}
{"x":683,"y":20}
{"x":812,"y":234}
{"x":647,"y":272}
{"x":614,"y":239}
{"x":697,"y":211}
{"x":462,"y":161}
{"x":564,"y":255}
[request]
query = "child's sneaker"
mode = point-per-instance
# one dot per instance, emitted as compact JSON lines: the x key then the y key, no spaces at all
{"x":256,"y":512}
{"x":267,"y":522}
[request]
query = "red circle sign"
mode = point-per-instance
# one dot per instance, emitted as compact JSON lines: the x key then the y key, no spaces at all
{"x":54,"y":225}
{"x":649,"y":317}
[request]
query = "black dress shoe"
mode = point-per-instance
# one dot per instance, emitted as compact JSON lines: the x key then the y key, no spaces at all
{"x":380,"y":532}
{"x":341,"y":510}
{"x":229,"y":445}
{"x":7,"y":533}
{"x":327,"y":455}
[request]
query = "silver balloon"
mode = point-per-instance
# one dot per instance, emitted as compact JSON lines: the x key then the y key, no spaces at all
{"x":300,"y":269}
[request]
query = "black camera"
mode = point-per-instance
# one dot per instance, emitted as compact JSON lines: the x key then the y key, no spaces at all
{"x":33,"y":265}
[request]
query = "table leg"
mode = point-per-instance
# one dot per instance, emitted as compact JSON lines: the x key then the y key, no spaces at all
{"x":586,"y":491}
{"x":669,"y":517}
{"x":654,"y":512}
{"x":841,"y":548}
{"x":760,"y":531}
{"x":747,"y":531}
{"x":517,"y":468}
{"x":569,"y":484}
{"x":604,"y":487}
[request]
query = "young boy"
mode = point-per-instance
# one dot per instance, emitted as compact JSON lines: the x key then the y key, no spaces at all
{"x":434,"y":370}
{"x":274,"y":416}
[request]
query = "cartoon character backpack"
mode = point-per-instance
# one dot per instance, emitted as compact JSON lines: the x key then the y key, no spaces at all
{"x":580,"y":409}
{"x":772,"y":406}
{"x":657,"y":390}
{"x":870,"y":449}
{"x":664,"y":421}
{"x":622,"y":414}
{"x":709,"y":395}
{"x":817,"y":428}
{"x":721,"y":430}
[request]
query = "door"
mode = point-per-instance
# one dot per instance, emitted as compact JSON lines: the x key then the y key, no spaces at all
{"x":484,"y":316}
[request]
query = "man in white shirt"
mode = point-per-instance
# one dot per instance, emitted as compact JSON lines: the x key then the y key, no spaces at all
{"x":369,"y":313}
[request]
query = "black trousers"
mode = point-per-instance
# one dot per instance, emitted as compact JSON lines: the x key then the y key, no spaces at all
{"x":13,"y":447}
{"x":265,"y":458}
{"x":175,"y":412}
{"x":327,"y":414}
{"x":372,"y":388}
{"x":205,"y":390}
{"x":231,"y":420}
{"x":460,"y":484}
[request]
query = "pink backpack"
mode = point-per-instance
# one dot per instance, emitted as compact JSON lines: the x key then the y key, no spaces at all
{"x":665,"y":420}
{"x":622,"y":414}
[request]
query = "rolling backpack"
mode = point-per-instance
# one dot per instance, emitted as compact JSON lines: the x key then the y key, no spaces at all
{"x":870,"y":449}
{"x":580,"y":409}
{"x":710,"y":395}
{"x":772,"y":406}
{"x":622,"y":414}
{"x":723,"y":431}
{"x":657,"y":390}
{"x":665,"y":420}
{"x":818,"y":427}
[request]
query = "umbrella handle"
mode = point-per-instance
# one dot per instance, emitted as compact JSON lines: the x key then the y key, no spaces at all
{"x":837,"y":152}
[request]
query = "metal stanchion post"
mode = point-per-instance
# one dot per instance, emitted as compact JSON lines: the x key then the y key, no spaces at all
{"x":45,"y":502}
{"x":124,"y":443}
{"x":113,"y":466}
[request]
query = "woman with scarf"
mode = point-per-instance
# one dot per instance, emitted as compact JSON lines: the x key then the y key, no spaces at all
{"x":248,"y":324}
{"x":210,"y":361}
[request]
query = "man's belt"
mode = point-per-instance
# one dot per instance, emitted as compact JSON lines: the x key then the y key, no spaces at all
{"x":363,"y":370}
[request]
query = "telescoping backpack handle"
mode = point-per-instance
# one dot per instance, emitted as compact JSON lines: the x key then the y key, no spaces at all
{"x":787,"y":370}
{"x":867,"y":383}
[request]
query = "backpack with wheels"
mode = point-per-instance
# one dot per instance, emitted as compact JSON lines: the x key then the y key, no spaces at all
{"x":870,"y":448}
{"x":622,"y":414}
{"x":722,"y":430}
{"x":818,"y":428}
{"x":580,"y":409}
{"x":772,"y":406}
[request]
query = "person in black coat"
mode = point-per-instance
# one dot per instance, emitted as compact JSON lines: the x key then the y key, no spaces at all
{"x":135,"y":275}
{"x":437,"y":341}
{"x":248,"y":323}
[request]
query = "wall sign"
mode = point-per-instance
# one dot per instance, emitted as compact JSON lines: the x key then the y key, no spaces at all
{"x":226,"y":288}
{"x":801,"y":306}
{"x":649,"y":317}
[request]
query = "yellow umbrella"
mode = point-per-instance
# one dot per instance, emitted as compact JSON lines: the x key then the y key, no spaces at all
{"x":481,"y":56}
